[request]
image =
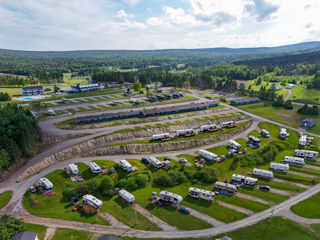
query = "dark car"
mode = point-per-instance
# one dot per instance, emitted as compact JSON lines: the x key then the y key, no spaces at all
{"x":47,"y":89}
{"x":167,"y":159}
{"x":145,"y":160}
{"x":136,"y":102}
{"x":181,"y":95}
{"x":141,"y":92}
{"x":264,"y":188}
{"x":184,"y":210}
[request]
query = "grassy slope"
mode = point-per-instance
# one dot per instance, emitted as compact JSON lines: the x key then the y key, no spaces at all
{"x":308,"y":208}
{"x":303,"y":95}
{"x":5,"y":198}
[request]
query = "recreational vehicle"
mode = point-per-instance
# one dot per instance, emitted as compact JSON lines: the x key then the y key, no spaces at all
{"x":243,"y":179}
{"x":265,"y":133}
{"x":160,"y":136}
{"x":92,"y":201}
{"x":209,"y":128}
{"x":279,"y":166}
{"x":303,"y":140}
{"x":73,"y":169}
{"x":155,"y":162}
{"x":170,"y":197}
{"x":51,"y":112}
{"x":260,"y":173}
{"x":44,"y":182}
{"x":125,"y":165}
{"x":294,"y":160}
{"x":254,"y":140}
{"x":208,"y":155}
{"x":234,"y":145}
{"x":228,"y":124}
{"x":306,"y":153}
{"x":185,"y":133}
{"x":201,"y":194}
{"x":283,"y":134}
{"x":126,"y":196}
{"x":226,"y":187}
{"x":94,"y":168}
{"x":64,"y":100}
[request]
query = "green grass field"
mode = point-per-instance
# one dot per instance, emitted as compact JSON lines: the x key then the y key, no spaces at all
{"x":308,"y":208}
{"x":40,"y":229}
{"x":5,"y":198}
{"x":70,"y":234}
{"x":303,"y":95}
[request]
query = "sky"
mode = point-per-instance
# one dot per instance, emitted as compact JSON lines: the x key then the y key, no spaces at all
{"x":52,"y":25}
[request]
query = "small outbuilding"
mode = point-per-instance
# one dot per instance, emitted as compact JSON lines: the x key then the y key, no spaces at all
{"x":25,"y":236}
{"x":109,"y":237}
{"x":309,"y":122}
{"x":289,"y":86}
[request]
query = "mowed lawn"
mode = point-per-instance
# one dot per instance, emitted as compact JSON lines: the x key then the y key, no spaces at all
{"x":5,"y":198}
{"x":303,"y":95}
{"x":36,"y":228}
{"x":71,"y":234}
{"x":308,"y":208}
{"x":279,"y":114}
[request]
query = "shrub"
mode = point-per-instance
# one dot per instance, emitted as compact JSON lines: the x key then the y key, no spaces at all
{"x":162,"y":180}
{"x":142,"y":180}
{"x":171,"y":179}
{"x":222,"y":99}
{"x":81,"y":189}
{"x":121,"y":183}
{"x":107,"y":186}
{"x":207,"y":175}
{"x":132,"y":184}
{"x":280,"y":147}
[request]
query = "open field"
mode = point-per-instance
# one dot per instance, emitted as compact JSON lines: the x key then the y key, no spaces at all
{"x":63,"y":233}
{"x":5,"y":198}
{"x":308,"y":208}
{"x":303,"y":95}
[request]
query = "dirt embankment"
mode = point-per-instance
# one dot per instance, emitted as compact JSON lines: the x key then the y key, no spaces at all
{"x":143,"y":120}
{"x":55,"y":138}
{"x":164,"y":147}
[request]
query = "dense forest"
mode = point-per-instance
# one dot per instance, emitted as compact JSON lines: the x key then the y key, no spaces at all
{"x":18,"y":133}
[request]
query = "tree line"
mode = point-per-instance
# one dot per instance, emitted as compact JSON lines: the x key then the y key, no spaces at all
{"x":15,"y":81}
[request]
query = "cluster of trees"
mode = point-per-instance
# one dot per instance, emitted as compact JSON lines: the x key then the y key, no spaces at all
{"x":316,"y":81}
{"x":170,"y":179}
{"x":279,"y":102}
{"x":4,"y":96}
{"x":306,"y":110}
{"x":10,"y":226}
{"x":15,"y":81}
{"x":19,"y":132}
{"x":207,"y":175}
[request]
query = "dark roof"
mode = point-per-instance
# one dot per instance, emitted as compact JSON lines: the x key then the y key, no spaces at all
{"x":24,"y":236}
{"x":311,"y":120}
{"x":109,"y":237}
{"x":32,"y":88}
{"x":244,"y":100}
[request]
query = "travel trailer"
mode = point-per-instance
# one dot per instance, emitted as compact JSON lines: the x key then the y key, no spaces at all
{"x":201,"y":194}
{"x":51,"y":112}
{"x":279,"y":166}
{"x":185,"y":133}
{"x":92,"y":201}
{"x":170,"y":197}
{"x":126,"y":196}
{"x":243,"y":179}
{"x":226,"y":187}
{"x":45,"y":183}
{"x":94,"y":168}
{"x":208,"y":155}
{"x":125,"y":165}
{"x":228,"y":124}
{"x":303,"y":140}
{"x":254,"y":140}
{"x":208,"y":128}
{"x":294,"y":160}
{"x":155,"y":162}
{"x":283,"y":134}
{"x":73,"y":169}
{"x":265,"y":133}
{"x":161,"y":136}
{"x":306,"y":153}
{"x":260,"y":173}
{"x":234,"y":145}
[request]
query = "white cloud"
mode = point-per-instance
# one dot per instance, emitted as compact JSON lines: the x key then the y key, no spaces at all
{"x":121,"y":14}
{"x":131,"y":2}
{"x":261,"y":10}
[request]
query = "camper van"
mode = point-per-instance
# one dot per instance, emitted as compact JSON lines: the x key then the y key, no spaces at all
{"x":234,"y":145}
{"x":155,"y":162}
{"x":260,"y":173}
{"x":279,"y":166}
{"x":201,"y":194}
{"x":225,"y":187}
{"x":126,"y":196}
{"x":45,"y":183}
{"x":294,"y":160}
{"x":186,"y":132}
{"x":51,"y":112}
{"x":283,"y":134}
{"x":94,"y":168}
{"x":208,"y":155}
{"x":303,"y":140}
{"x":92,"y":201}
{"x":265,"y":133}
{"x":133,"y":100}
{"x":160,"y":136}
{"x":170,"y":197}
{"x":73,"y":169}
{"x":306,"y":153}
{"x":245,"y":180}
{"x":125,"y":165}
{"x":254,"y":140}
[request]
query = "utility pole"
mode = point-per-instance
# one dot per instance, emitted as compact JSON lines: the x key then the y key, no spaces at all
{"x":135,"y":212}
{"x":272,"y":212}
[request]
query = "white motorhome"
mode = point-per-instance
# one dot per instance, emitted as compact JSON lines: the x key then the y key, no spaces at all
{"x":306,"y":153}
{"x":294,"y":160}
{"x":265,"y":133}
{"x":207,"y":127}
{"x":92,"y":201}
{"x":160,"y":136}
{"x":261,"y":173}
{"x":227,"y":124}
{"x":73,"y":169}
{"x":254,"y":140}
{"x":133,"y":100}
{"x":243,"y":179}
{"x":201,"y":194}
{"x":155,"y":162}
{"x":226,"y":187}
{"x":234,"y":145}
{"x":44,"y":182}
{"x":184,"y":132}
{"x":208,"y":155}
{"x":64,"y":100}
{"x":303,"y":140}
{"x":126,"y":196}
{"x":51,"y":112}
{"x":170,"y":197}
{"x":283,"y":133}
{"x":125,"y":165}
{"x":279,"y":166}
{"x":95,"y":168}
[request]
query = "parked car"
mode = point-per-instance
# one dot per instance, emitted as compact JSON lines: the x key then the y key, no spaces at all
{"x":183,"y":160}
{"x":145,"y":160}
{"x":32,"y":189}
{"x":264,"y":188}
{"x":184,"y":210}
{"x":181,"y":95}
{"x":141,"y":92}
{"x":116,"y":101}
{"x":137,"y":102}
{"x":193,"y":102}
{"x":47,"y":89}
{"x":167,"y":159}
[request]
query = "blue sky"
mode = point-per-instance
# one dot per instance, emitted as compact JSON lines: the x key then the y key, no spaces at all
{"x":158,"y":24}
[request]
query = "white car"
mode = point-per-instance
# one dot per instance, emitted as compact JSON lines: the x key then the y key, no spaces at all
{"x":116,"y":102}
{"x":183,"y":160}
{"x":192,"y":102}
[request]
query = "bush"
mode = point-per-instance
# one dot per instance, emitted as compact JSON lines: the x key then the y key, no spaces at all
{"x":81,"y":189}
{"x":280,"y":147}
{"x":222,"y":99}
{"x":171,"y":179}
{"x":162,"y":180}
{"x":121,"y":183}
{"x":188,"y":174}
{"x":132,"y":184}
{"x":107,"y":186}
{"x":207,"y":175}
